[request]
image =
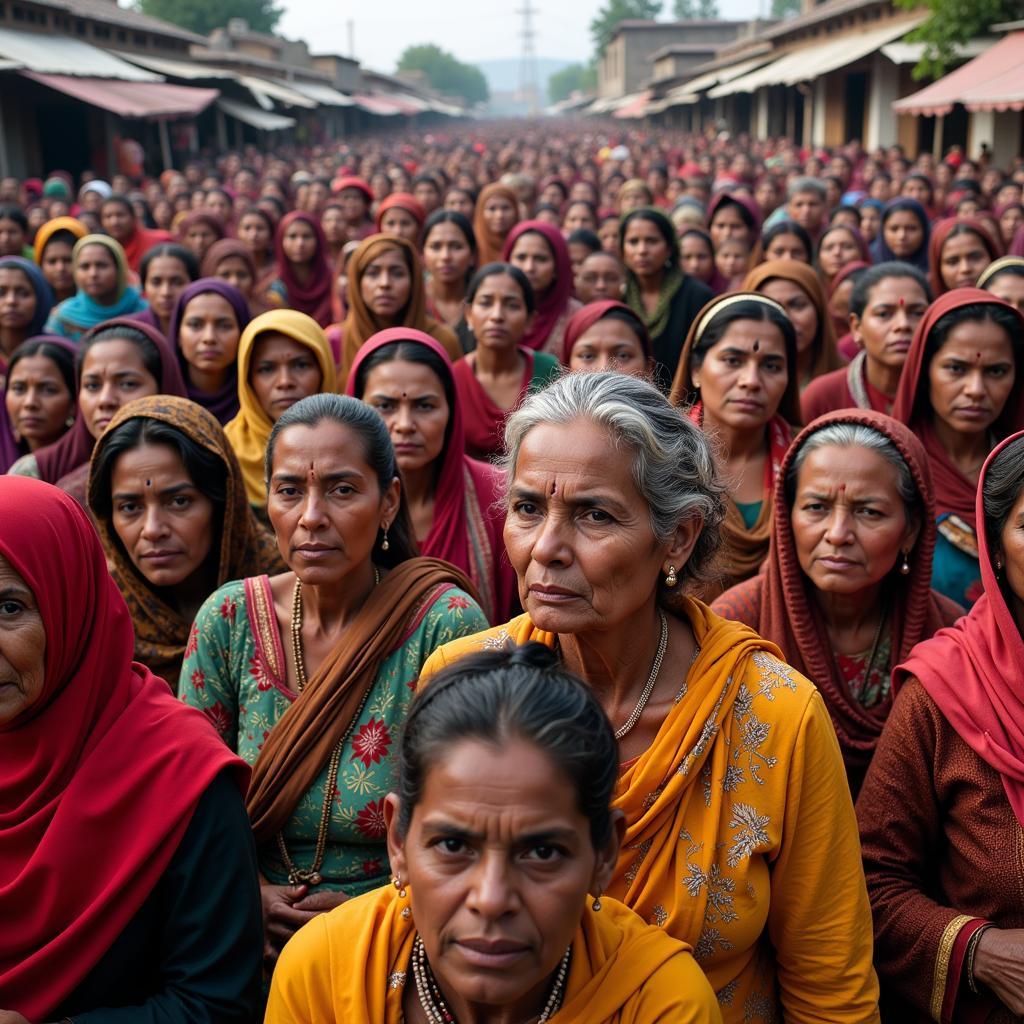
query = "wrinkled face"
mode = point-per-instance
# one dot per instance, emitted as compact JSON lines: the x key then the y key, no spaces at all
{"x":164,"y":522}
{"x":208,"y":333}
{"x":281,"y":372}
{"x":117,"y":220}
{"x":446,"y":253}
{"x":38,"y":401}
{"x":644,"y":249}
{"x":166,"y":279}
{"x":533,"y":256}
{"x":728,"y":223}
{"x":610,"y":344}
{"x":696,"y":257}
{"x":499,"y":215}
{"x":22,"y":645}
{"x":894,"y":308}
{"x":386,"y":286}
{"x":235,"y":270}
{"x":499,"y":861}
{"x":837,"y":249}
{"x":1009,"y":288}
{"x":299,"y":243}
{"x":903,"y":233}
{"x":963,"y":259}
{"x":599,"y":277}
{"x":96,"y":273}
{"x":17,"y":299}
{"x":498,"y":316}
{"x":254,"y":231}
{"x":787,"y":247}
{"x":56,"y":266}
{"x":848,"y":519}
{"x":971,"y":376}
{"x":798,"y":306}
{"x":808,"y":210}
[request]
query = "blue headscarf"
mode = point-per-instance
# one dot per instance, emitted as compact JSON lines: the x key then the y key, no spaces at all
{"x":881,"y":253}
{"x":44,"y":293}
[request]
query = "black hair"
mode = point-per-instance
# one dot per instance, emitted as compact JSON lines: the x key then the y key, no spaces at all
{"x":57,"y":354}
{"x":702,"y":235}
{"x":788,"y":227}
{"x":745,"y":215}
{"x":470,"y":192}
{"x":15,"y":213}
{"x":963,"y":228}
{"x":260,"y":212}
{"x":120,"y":201}
{"x":748,"y":309}
{"x":65,"y":236}
{"x":923,"y":178}
{"x":582,"y":202}
{"x":1011,"y":269}
{"x":1002,"y":486}
{"x":661,"y":222}
{"x":584,"y":236}
{"x":544,"y":208}
{"x":121,"y":332}
{"x":516,"y":693}
{"x":492,"y":270}
{"x":442,"y":216}
{"x":869,"y":278}
{"x":227,"y":195}
{"x":173,"y":250}
{"x":842,"y":209}
{"x":378,"y":452}
{"x":423,"y":178}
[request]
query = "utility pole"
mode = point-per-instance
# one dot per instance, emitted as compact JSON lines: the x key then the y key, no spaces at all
{"x":351,"y":38}
{"x":529,"y":86}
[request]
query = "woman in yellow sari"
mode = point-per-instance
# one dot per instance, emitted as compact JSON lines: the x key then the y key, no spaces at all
{"x":740,"y":835}
{"x":502,"y":840}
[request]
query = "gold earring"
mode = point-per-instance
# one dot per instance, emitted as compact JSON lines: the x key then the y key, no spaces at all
{"x":671,"y":579}
{"x":396,"y":881}
{"x":384,"y":545}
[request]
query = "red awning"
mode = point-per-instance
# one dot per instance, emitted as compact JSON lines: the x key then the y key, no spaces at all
{"x":637,"y":107}
{"x":131,"y":99}
{"x":378,"y":105}
{"x":992,"y":81}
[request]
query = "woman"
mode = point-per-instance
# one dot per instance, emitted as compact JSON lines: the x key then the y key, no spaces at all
{"x":846,"y":591}
{"x":736,"y":381}
{"x":493,"y":378}
{"x":38,"y":401}
{"x":946,"y":914}
{"x":449,"y":257}
{"x":101,"y":277}
{"x":959,"y":251}
{"x":385,"y":289}
{"x":199,"y":230}
{"x":697,"y":259}
{"x":1004,"y":278}
{"x":839,"y":246}
{"x":169,"y":501}
{"x":870,"y":211}
{"x":283,"y":356}
{"x":634,"y":195}
{"x":729,"y":770}
{"x":165,"y":272}
{"x":461,"y":200}
{"x":403,"y":215}
{"x":887,"y":304}
{"x":733,"y":216}
{"x":580,"y":215}
{"x":961,"y":392}
{"x":231,"y":261}
{"x":903,"y":234}
{"x":14,"y":232}
{"x":117,"y":217}
{"x":206,"y":326}
{"x":256,"y":229}
{"x":797,"y":288}
{"x":99,"y":761}
{"x":304,"y":279}
{"x":497,"y":212}
{"x":587,"y":959}
{"x":608,"y":336}
{"x":358,"y":614}
{"x":540,"y":252}
{"x":54,"y":242}
{"x":25,"y":304}
{"x":787,"y":240}
{"x":666,"y":299}
{"x":355,"y":196}
{"x":408,"y":378}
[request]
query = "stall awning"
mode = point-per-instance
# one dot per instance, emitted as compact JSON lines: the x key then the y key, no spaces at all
{"x":911,"y":53}
{"x":993,"y":81}
{"x":378,"y":105}
{"x":322,"y":94}
{"x":810,"y":62}
{"x":131,"y":99}
{"x":178,"y":68}
{"x":62,"y":55}
{"x":265,"y":91}
{"x":636,"y":107}
{"x":254,"y":117}
{"x":727,"y":74}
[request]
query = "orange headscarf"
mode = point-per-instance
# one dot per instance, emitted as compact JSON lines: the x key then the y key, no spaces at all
{"x":488,"y":243}
{"x":51,"y":227}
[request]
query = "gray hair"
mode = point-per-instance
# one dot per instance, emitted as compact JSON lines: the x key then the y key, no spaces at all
{"x":673,"y":465}
{"x":798,"y":185}
{"x":859,"y":435}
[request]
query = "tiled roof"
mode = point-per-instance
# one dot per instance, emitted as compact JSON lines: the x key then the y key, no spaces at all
{"x":108,"y":12}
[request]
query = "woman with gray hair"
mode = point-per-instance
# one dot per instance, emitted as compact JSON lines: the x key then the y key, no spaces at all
{"x":731,"y":776}
{"x":846,"y":591}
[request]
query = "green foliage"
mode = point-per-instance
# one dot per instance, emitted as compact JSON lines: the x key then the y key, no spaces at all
{"x":953,"y":22}
{"x":614,"y":11}
{"x":785,"y":8}
{"x":574,"y":78}
{"x":203,"y":16}
{"x":694,"y":10}
{"x":444,"y":73}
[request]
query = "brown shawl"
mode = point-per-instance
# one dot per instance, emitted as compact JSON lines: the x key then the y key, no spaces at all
{"x":301,"y":742}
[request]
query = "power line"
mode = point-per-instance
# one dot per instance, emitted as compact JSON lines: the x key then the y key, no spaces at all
{"x":529,"y":84}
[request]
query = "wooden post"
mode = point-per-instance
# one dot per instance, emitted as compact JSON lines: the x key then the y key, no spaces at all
{"x":165,"y":145}
{"x":5,"y":161}
{"x":937,"y":138}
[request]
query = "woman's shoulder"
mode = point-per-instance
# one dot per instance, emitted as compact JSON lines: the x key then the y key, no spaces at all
{"x":741,"y":603}
{"x":227,"y":604}
{"x":27,"y":465}
{"x":448,"y":612}
{"x":545,"y":368}
{"x":517,"y":631}
{"x":826,"y":393}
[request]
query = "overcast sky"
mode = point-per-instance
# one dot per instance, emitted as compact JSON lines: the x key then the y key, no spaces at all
{"x":471,"y":29}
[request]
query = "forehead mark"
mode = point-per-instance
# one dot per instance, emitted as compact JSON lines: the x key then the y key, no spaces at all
{"x":902,"y":302}
{"x":757,"y":345}
{"x":149,"y":483}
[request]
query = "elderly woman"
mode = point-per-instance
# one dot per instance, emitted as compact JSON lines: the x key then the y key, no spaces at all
{"x":546,"y":943}
{"x":729,"y":769}
{"x":169,"y":501}
{"x":846,"y":591}
{"x":307,"y":674}
{"x":123,"y":821}
{"x":942,"y":806}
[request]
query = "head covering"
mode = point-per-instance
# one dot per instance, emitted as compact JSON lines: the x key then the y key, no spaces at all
{"x":749,"y":211}
{"x":314,"y":297}
{"x":51,"y":227}
{"x":404,"y":201}
{"x":489,"y":243}
{"x":553,"y":303}
{"x":858,"y":239}
{"x":790,"y":616}
{"x":997,"y":267}
{"x":452,"y":531}
{"x":72,"y":451}
{"x":105,"y":769}
{"x":583,"y":319}
{"x":826,"y":356}
{"x":953,"y":491}
{"x":223,"y":403}
{"x":193,"y":217}
{"x":97,"y":185}
{"x":352,"y":181}
{"x":250,"y":430}
{"x":880,"y":251}
{"x":142,"y":240}
{"x":973,"y":670}
{"x":246,"y":549}
{"x":56,"y":188}
{"x":40,"y":286}
{"x":224,"y":249}
{"x":84,"y":311}
{"x":942,"y":230}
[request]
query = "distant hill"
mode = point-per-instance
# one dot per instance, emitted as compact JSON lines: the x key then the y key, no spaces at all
{"x":503,"y":79}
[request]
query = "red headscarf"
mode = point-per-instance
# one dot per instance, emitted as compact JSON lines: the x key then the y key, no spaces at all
{"x":583,"y":319}
{"x":953,"y":491}
{"x":940,"y":232}
{"x":404,"y":201}
{"x":973,"y":671}
{"x":555,"y":300}
{"x":140,"y":242}
{"x":100,"y":777}
{"x":314,"y":297}
{"x":449,"y":536}
{"x":352,"y":181}
{"x":749,"y":210}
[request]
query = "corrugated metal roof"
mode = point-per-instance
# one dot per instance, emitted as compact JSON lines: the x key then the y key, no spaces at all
{"x":109,"y":13}
{"x":264,"y":87}
{"x":62,"y":55}
{"x":156,"y":100}
{"x":254,"y":117}
{"x":178,"y":68}
{"x":323,"y":94}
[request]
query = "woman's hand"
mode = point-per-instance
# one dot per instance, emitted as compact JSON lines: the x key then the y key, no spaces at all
{"x":10,"y":1017}
{"x":286,"y":908}
{"x":999,"y":964}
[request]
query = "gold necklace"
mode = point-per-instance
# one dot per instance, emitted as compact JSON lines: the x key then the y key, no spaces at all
{"x":311,"y":875}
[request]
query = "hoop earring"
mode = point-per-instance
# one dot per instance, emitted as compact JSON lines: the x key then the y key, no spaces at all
{"x":399,"y":888}
{"x":384,"y":545}
{"x":671,"y":579}
{"x":905,"y":564}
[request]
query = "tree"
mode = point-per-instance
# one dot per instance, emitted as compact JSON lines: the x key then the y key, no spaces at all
{"x":695,"y":10}
{"x":203,"y":16}
{"x":614,"y":11}
{"x":444,"y":73}
{"x":785,"y":8}
{"x":953,"y":22}
{"x":574,"y":78}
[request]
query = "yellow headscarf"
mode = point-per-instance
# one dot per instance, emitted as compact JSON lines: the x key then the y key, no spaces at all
{"x":250,"y":430}
{"x":51,"y":227}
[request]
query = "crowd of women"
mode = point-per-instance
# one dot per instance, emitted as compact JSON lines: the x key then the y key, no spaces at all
{"x":514,"y":577}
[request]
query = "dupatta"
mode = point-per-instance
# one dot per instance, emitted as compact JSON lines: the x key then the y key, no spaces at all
{"x":489,"y":243}
{"x":314,"y":297}
{"x":40,"y":287}
{"x":583,"y":319}
{"x":940,"y":232}
{"x":553,"y":303}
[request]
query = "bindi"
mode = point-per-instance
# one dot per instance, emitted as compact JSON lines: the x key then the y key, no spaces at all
{"x":149,"y":483}
{"x":757,"y":345}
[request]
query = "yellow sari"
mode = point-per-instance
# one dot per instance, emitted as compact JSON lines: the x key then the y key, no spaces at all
{"x":351,"y":966}
{"x":740,"y":834}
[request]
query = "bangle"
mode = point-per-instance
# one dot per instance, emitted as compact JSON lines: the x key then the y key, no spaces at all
{"x":972,"y":948}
